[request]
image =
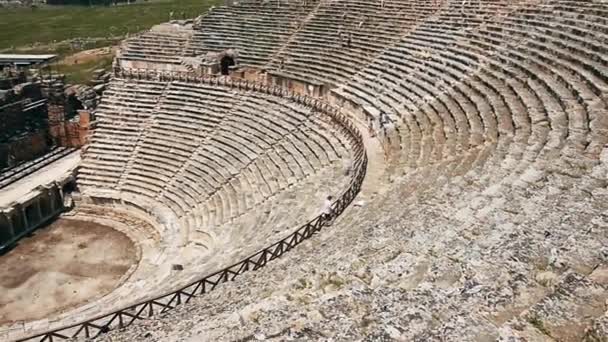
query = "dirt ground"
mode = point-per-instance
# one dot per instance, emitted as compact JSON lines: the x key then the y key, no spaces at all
{"x":89,"y":55}
{"x":64,"y":265}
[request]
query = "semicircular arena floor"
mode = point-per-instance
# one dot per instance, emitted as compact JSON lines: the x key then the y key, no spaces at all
{"x":63,"y":265}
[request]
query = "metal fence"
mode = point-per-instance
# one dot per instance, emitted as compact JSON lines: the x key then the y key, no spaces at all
{"x":124,"y":317}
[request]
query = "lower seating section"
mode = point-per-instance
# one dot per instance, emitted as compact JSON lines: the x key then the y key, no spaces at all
{"x":209,"y":153}
{"x":126,"y":110}
{"x":203,"y":173}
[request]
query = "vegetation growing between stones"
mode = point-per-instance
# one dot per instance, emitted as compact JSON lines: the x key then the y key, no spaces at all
{"x":538,"y":324}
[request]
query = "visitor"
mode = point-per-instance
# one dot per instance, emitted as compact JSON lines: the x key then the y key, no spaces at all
{"x":348,"y":166}
{"x":327,"y":212}
{"x":384,"y":119}
{"x":370,"y":126}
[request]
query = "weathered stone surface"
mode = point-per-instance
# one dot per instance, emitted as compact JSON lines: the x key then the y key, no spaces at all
{"x":485,"y":218}
{"x":423,"y":274}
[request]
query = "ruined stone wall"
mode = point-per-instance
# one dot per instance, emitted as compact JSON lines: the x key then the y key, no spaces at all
{"x":11,"y":120}
{"x":68,"y":133}
{"x":22,"y":149}
{"x":85,"y":125}
{"x":299,"y":86}
{"x":23,"y":124}
{"x":23,"y":216}
{"x":57,"y":129}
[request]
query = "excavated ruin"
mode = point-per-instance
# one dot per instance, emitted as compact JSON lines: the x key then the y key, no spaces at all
{"x":483,"y":212}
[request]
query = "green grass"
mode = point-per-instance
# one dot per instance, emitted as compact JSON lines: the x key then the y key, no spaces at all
{"x":21,"y":28}
{"x":82,"y":73}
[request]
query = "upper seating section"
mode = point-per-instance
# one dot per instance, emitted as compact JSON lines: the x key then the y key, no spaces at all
{"x":534,"y":74}
{"x":307,"y":39}
{"x":342,"y":36}
{"x":256,"y":29}
{"x":163,"y":44}
{"x":331,"y":41}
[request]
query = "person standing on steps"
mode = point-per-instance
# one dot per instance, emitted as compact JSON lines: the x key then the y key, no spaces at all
{"x":327,"y":212}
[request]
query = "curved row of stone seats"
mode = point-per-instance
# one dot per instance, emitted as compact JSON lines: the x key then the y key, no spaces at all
{"x":572,"y":96}
{"x":569,"y":98}
{"x":343,"y":36}
{"x":411,"y":73}
{"x":272,"y":217}
{"x":163,"y":44}
{"x":256,"y":29}
{"x":122,"y":118}
{"x":498,"y":93}
{"x":279,"y":168}
{"x":199,"y":143}
{"x":163,"y":147}
{"x":226,"y":134}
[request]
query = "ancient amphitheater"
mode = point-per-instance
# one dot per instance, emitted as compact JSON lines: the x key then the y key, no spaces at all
{"x":465,"y":143}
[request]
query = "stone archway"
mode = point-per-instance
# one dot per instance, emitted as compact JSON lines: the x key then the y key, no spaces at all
{"x":225,"y":63}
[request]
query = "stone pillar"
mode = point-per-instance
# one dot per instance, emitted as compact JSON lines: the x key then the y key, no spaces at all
{"x":10,"y":225}
{"x":7,"y":230}
{"x":51,"y":197}
{"x":26,"y":222}
{"x":56,"y":116}
{"x":84,"y":126}
{"x":39,"y":209}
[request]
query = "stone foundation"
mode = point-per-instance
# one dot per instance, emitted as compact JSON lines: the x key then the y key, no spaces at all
{"x":34,"y":210}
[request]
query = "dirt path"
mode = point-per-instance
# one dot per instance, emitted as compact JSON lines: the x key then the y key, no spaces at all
{"x":64,"y":265}
{"x":88,"y":55}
